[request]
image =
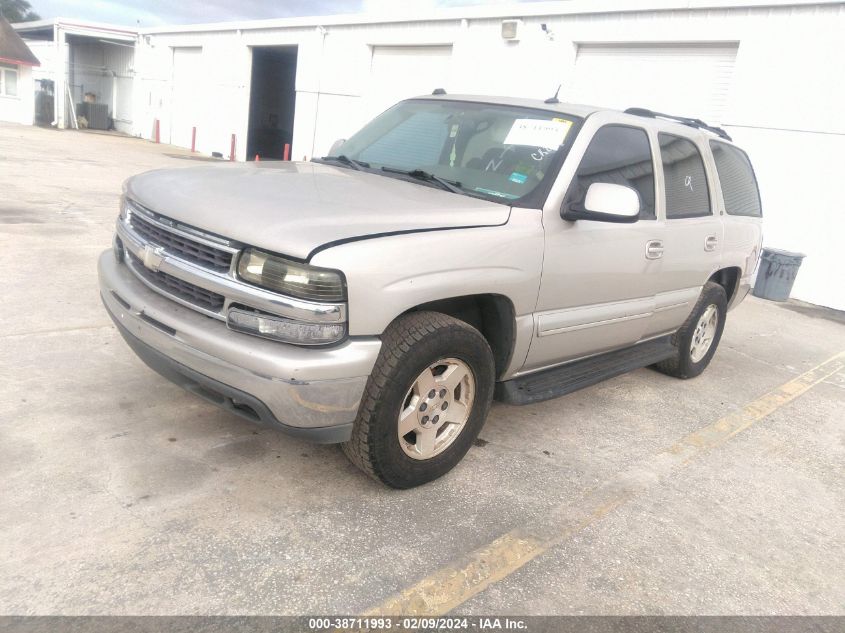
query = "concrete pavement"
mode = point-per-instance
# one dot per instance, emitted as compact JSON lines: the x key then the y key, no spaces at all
{"x":122,"y":494}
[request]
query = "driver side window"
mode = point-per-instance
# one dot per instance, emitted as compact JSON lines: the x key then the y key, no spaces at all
{"x":619,"y":155}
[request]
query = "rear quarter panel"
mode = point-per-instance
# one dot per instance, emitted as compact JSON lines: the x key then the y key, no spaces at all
{"x":742,"y":241}
{"x":742,"y":236}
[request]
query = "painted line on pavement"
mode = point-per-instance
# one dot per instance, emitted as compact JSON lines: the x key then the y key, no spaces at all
{"x":453,"y":585}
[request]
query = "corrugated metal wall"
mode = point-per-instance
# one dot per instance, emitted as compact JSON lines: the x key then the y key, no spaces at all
{"x":780,"y":98}
{"x":107,"y":71}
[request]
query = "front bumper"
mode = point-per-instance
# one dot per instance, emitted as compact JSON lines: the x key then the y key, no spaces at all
{"x":309,"y":392}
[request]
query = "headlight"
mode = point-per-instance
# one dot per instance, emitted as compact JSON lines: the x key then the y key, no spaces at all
{"x":290,"y":278}
{"x":282,"y":329}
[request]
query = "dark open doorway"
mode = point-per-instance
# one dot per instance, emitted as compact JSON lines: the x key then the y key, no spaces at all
{"x":271,"y":101}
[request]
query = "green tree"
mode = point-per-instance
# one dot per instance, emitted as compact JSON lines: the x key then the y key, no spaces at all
{"x":17,"y":11}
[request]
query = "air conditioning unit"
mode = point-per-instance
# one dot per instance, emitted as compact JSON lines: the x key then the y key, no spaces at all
{"x":511,"y":30}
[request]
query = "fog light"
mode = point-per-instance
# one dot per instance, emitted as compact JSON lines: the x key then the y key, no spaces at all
{"x":117,"y":248}
{"x":282,"y":329}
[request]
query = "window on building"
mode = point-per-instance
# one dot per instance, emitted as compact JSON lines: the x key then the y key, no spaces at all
{"x":686,"y":179}
{"x":8,"y":80}
{"x":739,"y":186}
{"x":619,"y":155}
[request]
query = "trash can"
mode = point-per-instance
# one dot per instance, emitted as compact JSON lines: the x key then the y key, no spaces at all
{"x":777,"y":274}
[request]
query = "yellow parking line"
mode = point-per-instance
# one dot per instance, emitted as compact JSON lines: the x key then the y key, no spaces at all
{"x":453,"y":585}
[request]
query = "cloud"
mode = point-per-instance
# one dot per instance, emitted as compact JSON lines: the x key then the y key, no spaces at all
{"x":157,"y":12}
{"x":395,"y":6}
{"x":391,"y":6}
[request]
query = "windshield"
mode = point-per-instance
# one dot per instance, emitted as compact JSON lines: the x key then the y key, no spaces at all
{"x":498,"y":152}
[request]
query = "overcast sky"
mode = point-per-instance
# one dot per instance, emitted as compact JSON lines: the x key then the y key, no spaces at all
{"x":155,"y":12}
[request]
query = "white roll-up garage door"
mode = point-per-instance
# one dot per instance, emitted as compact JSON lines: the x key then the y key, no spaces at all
{"x":691,"y":80}
{"x":399,"y":72}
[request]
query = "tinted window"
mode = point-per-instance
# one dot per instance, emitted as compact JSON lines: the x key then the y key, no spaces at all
{"x":739,"y":187}
{"x":686,"y":180}
{"x":618,"y":155}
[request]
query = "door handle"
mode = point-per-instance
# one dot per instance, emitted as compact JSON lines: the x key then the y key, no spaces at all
{"x":654,"y":249}
{"x":710,"y":243}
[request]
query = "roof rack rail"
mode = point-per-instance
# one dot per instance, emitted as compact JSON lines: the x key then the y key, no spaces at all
{"x":696,"y":123}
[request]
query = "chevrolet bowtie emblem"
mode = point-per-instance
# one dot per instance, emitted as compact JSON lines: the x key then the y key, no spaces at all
{"x":153,"y":256}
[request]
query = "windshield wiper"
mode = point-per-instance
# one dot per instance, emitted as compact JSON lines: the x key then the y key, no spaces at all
{"x":419,"y":174}
{"x":355,"y":164}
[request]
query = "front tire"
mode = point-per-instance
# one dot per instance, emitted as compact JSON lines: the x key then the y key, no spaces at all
{"x":425,"y":402}
{"x":697,"y":339}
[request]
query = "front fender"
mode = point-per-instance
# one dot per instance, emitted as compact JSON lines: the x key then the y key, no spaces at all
{"x":390,"y":275}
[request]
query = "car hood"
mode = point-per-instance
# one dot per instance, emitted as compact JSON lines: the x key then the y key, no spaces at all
{"x":295,"y":208}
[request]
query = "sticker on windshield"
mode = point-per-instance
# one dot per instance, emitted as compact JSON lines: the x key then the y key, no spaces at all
{"x":538,"y":132}
{"x":518,"y":178}
{"x":498,"y":194}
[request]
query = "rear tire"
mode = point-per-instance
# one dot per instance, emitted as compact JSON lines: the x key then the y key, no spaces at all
{"x":697,"y":339}
{"x":427,"y":360}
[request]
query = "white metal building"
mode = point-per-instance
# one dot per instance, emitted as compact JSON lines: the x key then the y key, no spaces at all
{"x":769,"y":71}
{"x":84,"y":58}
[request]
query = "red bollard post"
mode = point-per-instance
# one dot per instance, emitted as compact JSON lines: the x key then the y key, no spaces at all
{"x":157,"y":131}
{"x":194,"y":138}
{"x":287,"y":152}
{"x":257,"y":158}
{"x":232,"y":150}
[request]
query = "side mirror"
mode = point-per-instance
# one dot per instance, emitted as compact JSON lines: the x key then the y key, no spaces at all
{"x":336,"y":146}
{"x":606,"y":202}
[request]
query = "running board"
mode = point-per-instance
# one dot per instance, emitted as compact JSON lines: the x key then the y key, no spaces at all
{"x":564,"y":379}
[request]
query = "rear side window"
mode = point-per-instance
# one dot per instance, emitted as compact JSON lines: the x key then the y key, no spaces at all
{"x":739,"y":186}
{"x":686,"y":180}
{"x":619,"y":155}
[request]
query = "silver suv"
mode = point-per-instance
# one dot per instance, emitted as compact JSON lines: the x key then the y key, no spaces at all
{"x":454,"y":250}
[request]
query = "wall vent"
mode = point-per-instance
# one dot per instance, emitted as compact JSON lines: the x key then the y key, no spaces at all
{"x":511,"y":30}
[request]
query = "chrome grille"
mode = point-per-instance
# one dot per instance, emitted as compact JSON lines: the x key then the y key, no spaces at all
{"x":196,"y":269}
{"x":177,"y":244}
{"x":178,"y":288}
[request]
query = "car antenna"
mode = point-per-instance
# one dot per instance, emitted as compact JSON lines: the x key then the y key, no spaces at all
{"x":554,"y":99}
